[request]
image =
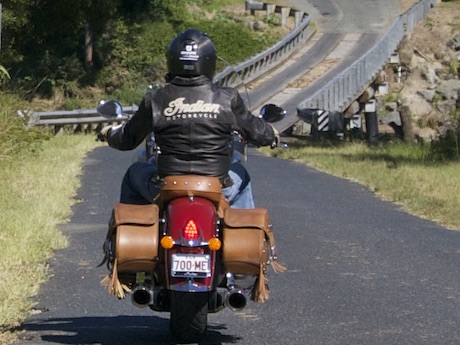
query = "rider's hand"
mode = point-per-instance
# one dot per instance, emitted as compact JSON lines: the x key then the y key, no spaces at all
{"x":277,"y":137}
{"x":102,"y":135}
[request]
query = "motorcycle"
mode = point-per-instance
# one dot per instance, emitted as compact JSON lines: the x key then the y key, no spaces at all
{"x":189,"y":253}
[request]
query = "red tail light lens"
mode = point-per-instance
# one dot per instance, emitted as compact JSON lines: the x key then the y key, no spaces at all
{"x":190,"y":231}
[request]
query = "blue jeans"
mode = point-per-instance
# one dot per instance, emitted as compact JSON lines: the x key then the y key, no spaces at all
{"x":139,"y":185}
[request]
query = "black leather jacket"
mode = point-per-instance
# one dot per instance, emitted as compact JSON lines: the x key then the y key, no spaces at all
{"x":193,"y":120}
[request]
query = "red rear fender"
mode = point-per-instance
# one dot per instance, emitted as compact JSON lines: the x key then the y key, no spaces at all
{"x":193,"y":213}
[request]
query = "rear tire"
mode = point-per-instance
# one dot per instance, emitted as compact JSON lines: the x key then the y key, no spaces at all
{"x":189,"y":315}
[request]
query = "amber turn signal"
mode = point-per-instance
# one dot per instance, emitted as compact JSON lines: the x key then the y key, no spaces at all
{"x":214,"y":244}
{"x":167,"y":242}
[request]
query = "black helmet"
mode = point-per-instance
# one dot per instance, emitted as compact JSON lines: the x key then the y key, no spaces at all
{"x":190,"y":54}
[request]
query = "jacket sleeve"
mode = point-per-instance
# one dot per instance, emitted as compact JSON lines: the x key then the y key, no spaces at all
{"x":131,"y":134}
{"x":254,"y":129}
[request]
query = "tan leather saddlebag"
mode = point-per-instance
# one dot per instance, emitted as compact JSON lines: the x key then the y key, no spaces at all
{"x":246,"y":244}
{"x":136,"y":237}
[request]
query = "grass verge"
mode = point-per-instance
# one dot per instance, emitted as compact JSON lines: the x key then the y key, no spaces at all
{"x":400,"y":173}
{"x":36,"y":195}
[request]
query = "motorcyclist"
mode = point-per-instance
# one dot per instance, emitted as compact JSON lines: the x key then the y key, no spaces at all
{"x":193,"y":120}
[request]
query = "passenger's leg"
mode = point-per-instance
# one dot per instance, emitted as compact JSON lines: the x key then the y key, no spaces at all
{"x":138,"y":186}
{"x":239,"y":195}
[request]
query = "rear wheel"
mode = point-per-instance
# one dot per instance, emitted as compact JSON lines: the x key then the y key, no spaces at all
{"x":189,"y":314}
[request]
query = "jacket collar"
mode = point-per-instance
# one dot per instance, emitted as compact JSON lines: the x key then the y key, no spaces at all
{"x":193,"y":81}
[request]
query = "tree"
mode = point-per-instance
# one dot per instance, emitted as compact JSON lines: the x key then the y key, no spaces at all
{"x":14,"y":25}
{"x":96,"y":14}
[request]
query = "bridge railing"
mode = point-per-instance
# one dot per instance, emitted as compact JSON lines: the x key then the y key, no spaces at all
{"x":267,"y":60}
{"x":348,"y":85}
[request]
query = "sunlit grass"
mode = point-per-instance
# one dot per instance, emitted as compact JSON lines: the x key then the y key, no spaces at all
{"x":36,"y":195}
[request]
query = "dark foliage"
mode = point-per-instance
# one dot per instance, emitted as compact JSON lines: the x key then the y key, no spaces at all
{"x":68,"y":44}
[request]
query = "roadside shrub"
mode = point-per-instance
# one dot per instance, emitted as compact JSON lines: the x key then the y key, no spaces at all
{"x":446,"y":148}
{"x":17,"y":140}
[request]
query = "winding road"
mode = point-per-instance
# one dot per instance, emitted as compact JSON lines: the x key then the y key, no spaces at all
{"x":346,"y":31}
{"x":360,"y":271}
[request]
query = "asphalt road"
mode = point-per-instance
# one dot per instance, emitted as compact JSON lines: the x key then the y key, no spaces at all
{"x":360,"y":271}
{"x":367,"y":16}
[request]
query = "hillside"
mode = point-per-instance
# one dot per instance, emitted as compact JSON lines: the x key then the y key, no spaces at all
{"x":429,"y":61}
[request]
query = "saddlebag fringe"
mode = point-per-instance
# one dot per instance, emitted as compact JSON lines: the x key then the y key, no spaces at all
{"x":278,"y":267}
{"x":113,"y":284}
{"x":260,"y":292}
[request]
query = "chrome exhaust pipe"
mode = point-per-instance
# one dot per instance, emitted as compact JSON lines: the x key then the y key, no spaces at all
{"x":141,"y":296}
{"x":236,"y":299}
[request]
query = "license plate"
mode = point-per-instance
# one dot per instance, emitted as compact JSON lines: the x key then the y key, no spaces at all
{"x":191,"y":266}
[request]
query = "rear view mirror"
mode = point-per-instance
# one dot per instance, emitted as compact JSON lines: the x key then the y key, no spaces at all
{"x":272,"y":113}
{"x":109,"y":109}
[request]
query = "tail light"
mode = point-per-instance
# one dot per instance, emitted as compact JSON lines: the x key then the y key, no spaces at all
{"x":190,"y":231}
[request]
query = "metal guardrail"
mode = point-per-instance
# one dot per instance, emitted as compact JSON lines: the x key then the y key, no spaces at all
{"x":347,"y":86}
{"x":267,"y":60}
{"x":80,"y":118}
